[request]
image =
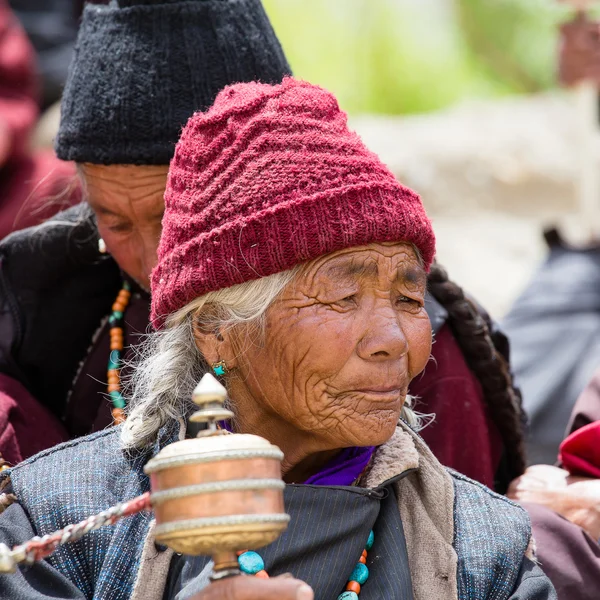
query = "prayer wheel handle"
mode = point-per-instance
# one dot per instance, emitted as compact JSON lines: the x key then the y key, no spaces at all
{"x":219,"y":493}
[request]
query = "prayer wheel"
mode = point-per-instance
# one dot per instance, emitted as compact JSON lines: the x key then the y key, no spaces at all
{"x":213,"y":495}
{"x":220,"y":492}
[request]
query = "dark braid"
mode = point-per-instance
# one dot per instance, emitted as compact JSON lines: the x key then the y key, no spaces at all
{"x":487,"y":364}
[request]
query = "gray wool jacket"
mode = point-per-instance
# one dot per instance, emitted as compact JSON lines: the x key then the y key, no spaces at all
{"x":463,"y":541}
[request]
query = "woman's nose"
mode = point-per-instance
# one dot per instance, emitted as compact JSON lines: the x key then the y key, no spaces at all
{"x":384,"y":337}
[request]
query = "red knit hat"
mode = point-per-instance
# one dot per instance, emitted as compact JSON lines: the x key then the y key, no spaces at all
{"x":267,"y":178}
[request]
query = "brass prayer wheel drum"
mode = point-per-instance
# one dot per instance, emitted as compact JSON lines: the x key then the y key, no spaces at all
{"x":219,"y":492}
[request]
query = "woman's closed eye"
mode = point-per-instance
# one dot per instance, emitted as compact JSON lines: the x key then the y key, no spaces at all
{"x":119,"y":227}
{"x":341,"y":302}
{"x":402,"y":300}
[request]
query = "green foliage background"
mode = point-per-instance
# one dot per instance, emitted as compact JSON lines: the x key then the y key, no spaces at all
{"x":406,"y":56}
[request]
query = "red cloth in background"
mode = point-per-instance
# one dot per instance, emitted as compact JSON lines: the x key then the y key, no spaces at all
{"x":33,"y":185}
{"x":580,"y":452}
{"x":18,"y":81}
{"x":462,"y":435}
{"x":26,"y":427}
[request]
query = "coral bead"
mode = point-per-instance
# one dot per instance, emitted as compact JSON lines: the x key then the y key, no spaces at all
{"x":118,"y":415}
{"x":362,"y":560}
{"x":353,"y":586}
{"x":262,"y":575}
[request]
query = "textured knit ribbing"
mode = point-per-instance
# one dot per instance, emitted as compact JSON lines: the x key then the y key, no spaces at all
{"x":141,"y":69}
{"x":269,"y":177}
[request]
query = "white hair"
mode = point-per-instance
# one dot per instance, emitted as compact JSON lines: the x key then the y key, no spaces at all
{"x":169,"y":365}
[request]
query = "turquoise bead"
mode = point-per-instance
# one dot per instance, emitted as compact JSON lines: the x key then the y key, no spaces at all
{"x":114,"y":360}
{"x":112,"y":366}
{"x":360,"y":573}
{"x":112,"y":320}
{"x":126,"y":286}
{"x":117,"y":399}
{"x":251,"y":562}
{"x":219,"y":370}
{"x":117,"y":314}
{"x":370,"y":541}
{"x":348,"y":596}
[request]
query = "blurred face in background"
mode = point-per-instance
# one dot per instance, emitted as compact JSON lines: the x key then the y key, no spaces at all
{"x":128,"y":201}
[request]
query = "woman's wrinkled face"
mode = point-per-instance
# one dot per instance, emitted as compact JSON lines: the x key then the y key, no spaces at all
{"x":128,"y":201}
{"x":342,"y":343}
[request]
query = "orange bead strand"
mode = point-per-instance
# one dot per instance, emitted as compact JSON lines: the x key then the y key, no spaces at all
{"x":117,"y":342}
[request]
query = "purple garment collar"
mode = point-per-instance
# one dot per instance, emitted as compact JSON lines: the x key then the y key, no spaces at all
{"x":343,"y":469}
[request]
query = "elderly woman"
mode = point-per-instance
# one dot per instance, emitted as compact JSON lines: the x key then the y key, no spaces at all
{"x":293,"y":265}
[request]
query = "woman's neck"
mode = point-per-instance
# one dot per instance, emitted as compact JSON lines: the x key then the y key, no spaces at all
{"x":303,"y":455}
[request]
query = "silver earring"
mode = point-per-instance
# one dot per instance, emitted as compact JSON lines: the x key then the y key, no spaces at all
{"x":102,"y":246}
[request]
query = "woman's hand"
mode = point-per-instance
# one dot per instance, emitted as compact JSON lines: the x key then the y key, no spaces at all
{"x":284,"y":587}
{"x":575,"y":498}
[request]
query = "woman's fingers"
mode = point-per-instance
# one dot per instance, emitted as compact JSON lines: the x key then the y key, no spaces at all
{"x":253,"y":588}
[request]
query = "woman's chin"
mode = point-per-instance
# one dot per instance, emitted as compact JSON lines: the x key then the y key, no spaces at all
{"x":372,"y":432}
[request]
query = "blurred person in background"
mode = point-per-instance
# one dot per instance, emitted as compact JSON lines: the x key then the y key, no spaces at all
{"x":554,"y":326}
{"x":564,"y":503}
{"x":132,"y":86}
{"x":33,"y":184}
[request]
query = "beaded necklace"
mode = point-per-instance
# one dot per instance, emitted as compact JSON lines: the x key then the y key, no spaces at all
{"x":115,"y":360}
{"x":252,"y":563}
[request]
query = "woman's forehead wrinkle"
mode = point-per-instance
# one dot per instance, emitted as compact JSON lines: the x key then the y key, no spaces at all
{"x":351,"y":268}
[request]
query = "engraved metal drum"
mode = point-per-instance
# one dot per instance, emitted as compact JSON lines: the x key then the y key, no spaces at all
{"x":217,"y":494}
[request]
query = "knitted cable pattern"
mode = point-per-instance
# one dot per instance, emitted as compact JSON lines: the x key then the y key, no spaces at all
{"x":269,"y":177}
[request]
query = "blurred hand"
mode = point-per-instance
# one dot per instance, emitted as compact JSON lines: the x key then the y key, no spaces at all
{"x":575,"y":498}
{"x":253,"y":588}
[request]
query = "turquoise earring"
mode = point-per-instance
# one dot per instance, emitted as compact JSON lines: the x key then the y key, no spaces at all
{"x":219,"y":368}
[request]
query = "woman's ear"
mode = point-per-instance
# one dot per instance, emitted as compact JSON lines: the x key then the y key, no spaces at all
{"x":215,"y":345}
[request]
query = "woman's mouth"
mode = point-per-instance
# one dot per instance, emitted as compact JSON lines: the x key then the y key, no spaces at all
{"x":382,"y":394}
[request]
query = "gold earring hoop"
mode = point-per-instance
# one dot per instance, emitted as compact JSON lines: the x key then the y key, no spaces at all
{"x":220,"y":368}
